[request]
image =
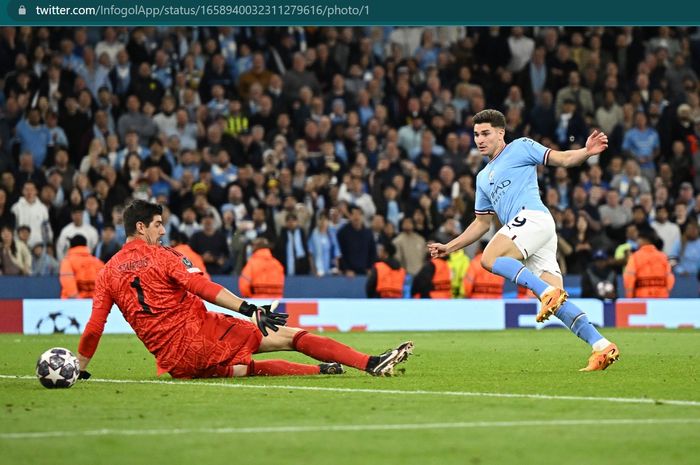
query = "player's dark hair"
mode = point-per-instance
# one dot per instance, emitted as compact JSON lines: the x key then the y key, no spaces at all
{"x":494,"y":117}
{"x":139,"y":210}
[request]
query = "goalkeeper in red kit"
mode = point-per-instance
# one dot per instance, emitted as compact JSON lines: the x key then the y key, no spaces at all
{"x":160,"y":292}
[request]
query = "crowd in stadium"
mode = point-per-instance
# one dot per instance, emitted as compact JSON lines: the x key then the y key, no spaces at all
{"x":330,"y":142}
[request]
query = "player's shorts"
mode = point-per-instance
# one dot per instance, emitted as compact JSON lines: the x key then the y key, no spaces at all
{"x":222,"y":342}
{"x":534,"y":234}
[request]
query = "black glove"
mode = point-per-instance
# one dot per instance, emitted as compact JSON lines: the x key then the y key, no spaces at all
{"x":84,"y":374}
{"x":265,"y":318}
{"x":247,"y":309}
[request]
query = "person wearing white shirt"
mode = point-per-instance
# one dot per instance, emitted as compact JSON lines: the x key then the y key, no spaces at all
{"x":77,"y":226}
{"x":354,"y":194}
{"x":31,"y":212}
{"x":669,"y":232}
{"x":521,"y":49}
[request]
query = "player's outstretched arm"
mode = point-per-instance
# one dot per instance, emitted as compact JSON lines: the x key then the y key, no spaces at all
{"x":264,"y":316}
{"x":101,"y":305}
{"x":596,"y":143}
{"x":473,"y":233}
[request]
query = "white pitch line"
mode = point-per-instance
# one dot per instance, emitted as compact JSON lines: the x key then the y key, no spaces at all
{"x":420,"y":392}
{"x":345,"y":428}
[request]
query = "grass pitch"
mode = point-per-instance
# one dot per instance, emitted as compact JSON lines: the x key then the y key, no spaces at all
{"x":465,"y":398}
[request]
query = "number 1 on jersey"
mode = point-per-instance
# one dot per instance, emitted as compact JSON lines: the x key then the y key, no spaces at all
{"x":136,"y":284}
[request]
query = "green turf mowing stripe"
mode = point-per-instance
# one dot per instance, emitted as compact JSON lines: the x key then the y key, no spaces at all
{"x":624,"y":400}
{"x":344,"y":428}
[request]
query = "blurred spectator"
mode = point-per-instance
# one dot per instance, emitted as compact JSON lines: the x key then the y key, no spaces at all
{"x":7,"y":218}
{"x":458,"y":261}
{"x":299,"y":76}
{"x":29,"y":171}
{"x":178,"y":242}
{"x":685,"y":254}
{"x":648,"y":271}
{"x":43,"y":261}
{"x":211,"y":244}
{"x":521,"y":49}
{"x":246,"y":232}
{"x":324,"y":248}
{"x":433,"y":280}
{"x":571,"y":131}
{"x":30,"y":212}
{"x":189,"y":224}
{"x":134,"y":120}
{"x":642,"y":142}
{"x":613,"y":215}
{"x":479,"y":283}
{"x":108,"y":245}
{"x":263,"y":275}
{"x":354,"y":194}
{"x":33,"y":136}
{"x":15,"y":259}
{"x":631,"y":176}
{"x":75,"y":227}
{"x":599,"y":280}
{"x":582,"y":97}
{"x":358,"y":251}
{"x":410,"y":134}
{"x":293,"y":249}
{"x":410,"y":247}
{"x":79,"y":270}
{"x":257,"y":74}
{"x":667,"y":231}
{"x":386,"y":277}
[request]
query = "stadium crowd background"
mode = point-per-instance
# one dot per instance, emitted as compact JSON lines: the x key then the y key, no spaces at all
{"x":281,"y":132}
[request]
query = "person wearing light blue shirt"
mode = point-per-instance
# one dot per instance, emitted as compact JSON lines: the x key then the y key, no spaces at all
{"x":524,"y":249}
{"x":33,"y":136}
{"x":686,"y":251}
{"x":643,"y":143}
{"x":324,"y":248}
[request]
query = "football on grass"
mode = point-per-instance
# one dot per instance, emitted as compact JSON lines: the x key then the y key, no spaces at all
{"x":57,"y":368}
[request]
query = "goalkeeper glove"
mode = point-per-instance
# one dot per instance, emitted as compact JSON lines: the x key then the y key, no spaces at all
{"x":84,"y":375}
{"x":264,"y":316}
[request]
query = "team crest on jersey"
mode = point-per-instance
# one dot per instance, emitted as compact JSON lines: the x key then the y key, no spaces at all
{"x":186,"y":261}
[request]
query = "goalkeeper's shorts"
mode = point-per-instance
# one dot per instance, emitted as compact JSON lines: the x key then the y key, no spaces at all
{"x":222,"y":342}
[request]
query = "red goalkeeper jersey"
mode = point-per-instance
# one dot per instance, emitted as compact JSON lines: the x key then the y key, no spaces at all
{"x":150,"y":285}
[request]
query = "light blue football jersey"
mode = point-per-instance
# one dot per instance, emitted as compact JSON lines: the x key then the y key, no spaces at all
{"x":508,"y":183}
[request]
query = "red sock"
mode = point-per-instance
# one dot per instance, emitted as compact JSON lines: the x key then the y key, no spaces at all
{"x":281,"y":368}
{"x":326,"y":349}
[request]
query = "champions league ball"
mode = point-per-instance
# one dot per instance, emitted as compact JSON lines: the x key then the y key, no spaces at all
{"x":57,"y":368}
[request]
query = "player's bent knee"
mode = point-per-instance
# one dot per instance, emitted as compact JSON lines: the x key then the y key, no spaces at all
{"x":487,"y":262}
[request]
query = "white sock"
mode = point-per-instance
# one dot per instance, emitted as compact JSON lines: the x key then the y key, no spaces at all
{"x":600,"y":345}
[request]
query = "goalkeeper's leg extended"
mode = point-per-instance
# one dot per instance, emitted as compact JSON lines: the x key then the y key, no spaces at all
{"x":325,"y":349}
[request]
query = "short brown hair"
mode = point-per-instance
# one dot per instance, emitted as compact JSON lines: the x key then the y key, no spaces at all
{"x":494,"y":117}
{"x":139,"y":211}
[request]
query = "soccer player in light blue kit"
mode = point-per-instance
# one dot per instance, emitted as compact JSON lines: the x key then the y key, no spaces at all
{"x":524,"y":249}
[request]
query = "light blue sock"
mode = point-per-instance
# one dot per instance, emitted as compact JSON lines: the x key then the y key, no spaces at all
{"x":577,"y":321}
{"x":512,"y":269}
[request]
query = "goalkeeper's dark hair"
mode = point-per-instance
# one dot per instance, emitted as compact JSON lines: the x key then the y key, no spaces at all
{"x":494,"y":117}
{"x":139,"y":210}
